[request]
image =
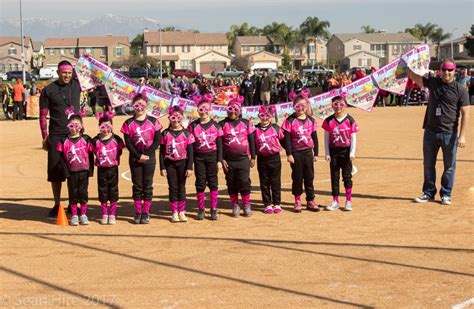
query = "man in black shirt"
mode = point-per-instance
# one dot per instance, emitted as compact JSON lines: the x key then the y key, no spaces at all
{"x":55,"y":99}
{"x":447,"y":101}
{"x":247,"y":90}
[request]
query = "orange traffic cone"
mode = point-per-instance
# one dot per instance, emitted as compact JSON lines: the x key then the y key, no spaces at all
{"x":62,"y":218}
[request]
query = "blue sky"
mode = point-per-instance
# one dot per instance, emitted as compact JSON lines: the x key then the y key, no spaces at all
{"x":207,"y":15}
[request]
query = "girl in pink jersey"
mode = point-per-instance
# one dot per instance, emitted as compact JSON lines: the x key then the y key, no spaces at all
{"x":142,"y":137}
{"x":301,"y":145}
{"x":267,"y":147}
{"x":78,"y":161}
{"x":207,"y":154}
{"x":238,"y":156}
{"x":340,"y":146}
{"x":107,"y":148}
{"x":176,"y":162}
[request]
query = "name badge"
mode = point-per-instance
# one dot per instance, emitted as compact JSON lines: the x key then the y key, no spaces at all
{"x":438,"y":111}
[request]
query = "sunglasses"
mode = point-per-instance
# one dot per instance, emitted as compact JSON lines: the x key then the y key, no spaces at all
{"x":105,"y":127}
{"x":299,"y":107}
{"x":203,"y":109}
{"x":139,"y":105}
{"x":339,"y":104}
{"x":233,"y":109}
{"x":264,"y":116}
{"x":175,"y":118}
{"x":74,"y":125}
{"x":446,"y":69}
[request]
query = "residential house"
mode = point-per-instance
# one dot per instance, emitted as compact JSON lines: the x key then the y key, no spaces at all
{"x":59,"y":49}
{"x":107,"y":49}
{"x":10,"y":53}
{"x":459,"y":51}
{"x":200,"y":52}
{"x":348,"y":50}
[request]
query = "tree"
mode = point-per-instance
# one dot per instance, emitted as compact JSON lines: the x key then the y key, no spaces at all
{"x":469,"y":45}
{"x":422,"y":32}
{"x":136,"y":45}
{"x":312,"y":26}
{"x":367,"y":29}
{"x":437,"y":37}
{"x":170,"y":29}
{"x":241,"y":30}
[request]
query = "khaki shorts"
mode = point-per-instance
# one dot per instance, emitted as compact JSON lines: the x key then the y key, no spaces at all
{"x":265,"y":97}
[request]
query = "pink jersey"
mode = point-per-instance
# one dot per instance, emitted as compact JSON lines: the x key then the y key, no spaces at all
{"x":176,"y":143}
{"x":76,"y":152}
{"x":267,"y":140}
{"x":235,"y":138}
{"x":142,"y":133}
{"x":107,"y":152}
{"x":205,"y":135}
{"x":340,"y":131}
{"x":300,"y":132}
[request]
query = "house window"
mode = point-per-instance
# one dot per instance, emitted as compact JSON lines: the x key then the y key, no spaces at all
{"x":186,"y":64}
{"x":185,"y":48}
{"x":219,"y":46}
{"x":259,"y":48}
{"x":12,"y":51}
{"x":119,"y":51}
{"x":378,"y":49}
{"x":72,"y":51}
{"x":396,"y":49}
{"x":51,"y":51}
{"x":170,"y":49}
{"x":311,"y":49}
{"x":203,"y":47}
{"x":245,"y":48}
{"x":88,"y":51}
{"x":63,"y":51}
{"x":357,"y":47}
{"x":103,"y":51}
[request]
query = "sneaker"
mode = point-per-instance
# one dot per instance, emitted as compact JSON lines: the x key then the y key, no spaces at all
{"x":201,"y":214}
{"x":84,"y":220}
{"x":74,"y":220}
{"x":277,"y":209}
{"x":348,"y":206}
{"x":247,"y":211}
{"x":334,"y":206}
{"x":214,"y":215}
{"x":423,"y":199}
{"x":297,"y":207}
{"x":446,"y":200}
{"x":53,"y":213}
{"x":112,"y":220}
{"x":312,"y":206}
{"x":105,"y":219}
{"x":235,"y":211}
{"x":268,"y":209}
{"x":145,"y":219}
{"x":174,"y":217}
{"x":137,"y":218}
{"x":182,"y":217}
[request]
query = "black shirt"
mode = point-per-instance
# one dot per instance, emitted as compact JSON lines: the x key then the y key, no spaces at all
{"x":57,"y":98}
{"x":449,"y":98}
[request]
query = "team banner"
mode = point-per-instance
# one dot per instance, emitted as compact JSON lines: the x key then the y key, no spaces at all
{"x":418,"y":59}
{"x":361,"y":93}
{"x":158,"y":102}
{"x":91,"y":73}
{"x":321,"y":104}
{"x":189,"y":107}
{"x":282,"y":111}
{"x":251,"y":113}
{"x":222,"y":95}
{"x":120,"y":89}
{"x":219,"y":112}
{"x":393,"y":77}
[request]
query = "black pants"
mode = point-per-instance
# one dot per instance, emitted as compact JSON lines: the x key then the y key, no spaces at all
{"x":107,"y":183}
{"x":176,"y":175}
{"x":142,"y":179}
{"x":205,"y":169}
{"x":340,"y":161}
{"x":18,"y":110}
{"x":303,"y":171}
{"x":238,"y":176}
{"x":56,"y":168}
{"x":248,"y":99}
{"x":77,"y":184}
{"x":269,"y":172}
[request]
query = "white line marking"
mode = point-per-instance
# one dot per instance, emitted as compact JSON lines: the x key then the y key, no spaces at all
{"x":464,"y":304}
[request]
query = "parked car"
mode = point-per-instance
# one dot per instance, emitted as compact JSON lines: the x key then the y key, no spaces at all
{"x":314,"y":70}
{"x":155,"y":72}
{"x":48,"y":73}
{"x":14,"y":75}
{"x":185,"y":72}
{"x":136,"y":72}
{"x":3,"y":76}
{"x":227,"y":72}
{"x":271,"y":72}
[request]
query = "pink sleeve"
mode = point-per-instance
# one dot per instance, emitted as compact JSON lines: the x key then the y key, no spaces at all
{"x":163,"y":139}
{"x":91,"y":147}
{"x":251,"y":128}
{"x":125,"y":129}
{"x":281,"y":135}
{"x":158,"y":125}
{"x":191,"y":139}
{"x":220,"y":132}
{"x":325,"y":125}
{"x":43,"y":123}
{"x":59,"y":147}
{"x":190,"y":129}
{"x":354,"y":128}
{"x":286,"y":126}
{"x":315,"y":125}
{"x":121,"y":145}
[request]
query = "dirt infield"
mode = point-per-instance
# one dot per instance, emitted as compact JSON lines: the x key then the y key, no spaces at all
{"x":388,"y":252}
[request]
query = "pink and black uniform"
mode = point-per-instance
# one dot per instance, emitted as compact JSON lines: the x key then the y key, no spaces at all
{"x":107,"y":159}
{"x":301,"y":141}
{"x":267,"y":147}
{"x":340,"y":146}
{"x":176,"y":157}
{"x":238,"y":145}
{"x":78,"y":166}
{"x":207,"y":152}
{"x":142,"y":137}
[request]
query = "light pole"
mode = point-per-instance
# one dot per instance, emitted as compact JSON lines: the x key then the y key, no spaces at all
{"x":157,"y":22}
{"x":452,"y":48}
{"x":22,"y":46}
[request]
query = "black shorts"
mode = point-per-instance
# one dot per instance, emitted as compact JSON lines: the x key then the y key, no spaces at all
{"x":55,"y":165}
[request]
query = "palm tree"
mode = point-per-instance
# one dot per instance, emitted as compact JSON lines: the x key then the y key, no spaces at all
{"x":367,"y":29}
{"x":422,"y":32}
{"x":287,"y":37}
{"x":170,"y":29}
{"x":312,"y":26}
{"x":241,"y":30}
{"x":437,"y":37}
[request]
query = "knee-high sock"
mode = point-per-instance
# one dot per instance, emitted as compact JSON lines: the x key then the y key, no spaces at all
{"x":348,"y":194}
{"x":138,"y":206}
{"x":214,"y":199}
{"x":83,"y":209}
{"x":146,"y":207}
{"x":234,"y":199}
{"x":174,"y":206}
{"x":181,"y":206}
{"x":103,"y":206}
{"x":113,"y":207}
{"x":200,"y":200}
{"x":246,"y":199}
